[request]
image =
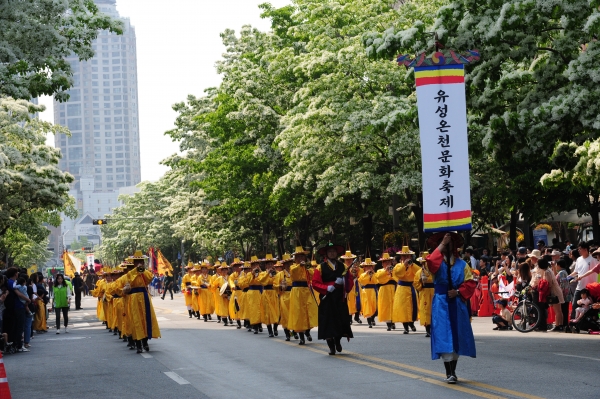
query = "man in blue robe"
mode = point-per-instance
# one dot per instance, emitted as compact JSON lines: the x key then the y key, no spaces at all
{"x":451,"y":332}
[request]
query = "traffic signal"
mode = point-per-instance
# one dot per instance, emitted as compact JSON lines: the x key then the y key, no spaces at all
{"x":99,"y":222}
{"x":87,"y":248}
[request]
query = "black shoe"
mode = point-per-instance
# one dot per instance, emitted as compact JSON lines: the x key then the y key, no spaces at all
{"x":271,"y":336}
{"x":301,"y":342}
{"x":147,"y":348}
{"x":393,"y":326}
{"x":139,"y":350}
{"x":260,"y":329}
{"x":412,"y":327}
{"x":338,"y":345}
{"x":209,"y":318}
{"x":389,"y":326}
{"x":225,"y":322}
{"x":427,"y":335}
{"x":405,"y":332}
{"x":308,"y":336}
{"x":295,"y":334}
{"x":331,"y":347}
{"x":205,"y":318}
{"x":357,"y":319}
{"x":190,"y":313}
{"x":275,"y":332}
{"x":163,"y":298}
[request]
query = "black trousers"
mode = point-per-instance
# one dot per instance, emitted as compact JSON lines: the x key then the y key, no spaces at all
{"x":565,"y":311}
{"x":77,"y":299}
{"x":576,"y":297}
{"x":18,"y":328}
{"x":170,"y":290}
{"x":65,"y":312}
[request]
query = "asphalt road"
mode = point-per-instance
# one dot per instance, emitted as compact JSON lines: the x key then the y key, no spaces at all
{"x":197,"y":359}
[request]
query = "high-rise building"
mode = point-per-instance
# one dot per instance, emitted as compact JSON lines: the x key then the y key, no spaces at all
{"x":102,"y":112}
{"x":103,"y":152}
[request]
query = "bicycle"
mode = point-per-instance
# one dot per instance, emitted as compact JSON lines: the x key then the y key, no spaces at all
{"x":526,"y":314}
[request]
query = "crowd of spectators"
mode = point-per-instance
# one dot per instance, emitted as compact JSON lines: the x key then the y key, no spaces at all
{"x":554,"y":277}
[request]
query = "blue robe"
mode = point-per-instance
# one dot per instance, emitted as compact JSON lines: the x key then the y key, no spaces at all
{"x":450,"y":322}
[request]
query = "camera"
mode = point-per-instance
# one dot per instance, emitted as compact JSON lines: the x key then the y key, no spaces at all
{"x":495,"y":259}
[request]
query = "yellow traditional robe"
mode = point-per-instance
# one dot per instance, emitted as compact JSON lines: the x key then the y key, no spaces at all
{"x":205,"y":297}
{"x":139,"y":303}
{"x":222,"y":303}
{"x":187,"y":278}
{"x":426,"y":292}
{"x":303,"y":308}
{"x":269,"y":298}
{"x":236,"y":294}
{"x":98,"y":292}
{"x":368,"y":294}
{"x":385,"y":297}
{"x":253,"y":299}
{"x":195,"y":294}
{"x":282,"y":282}
{"x":404,"y":309}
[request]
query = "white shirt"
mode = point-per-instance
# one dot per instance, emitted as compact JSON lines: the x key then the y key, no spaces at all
{"x":473,"y":262}
{"x":583,"y":265}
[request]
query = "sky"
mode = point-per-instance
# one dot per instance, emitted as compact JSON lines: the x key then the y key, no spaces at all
{"x":178,"y":44}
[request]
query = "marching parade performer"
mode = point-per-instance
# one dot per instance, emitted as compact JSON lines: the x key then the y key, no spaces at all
{"x":451,"y":332}
{"x":98,"y":292}
{"x":282,"y":282}
{"x":303,"y":304}
{"x":222,"y":300}
{"x":387,"y":291}
{"x":252,"y":301}
{"x":270,"y":300}
{"x":354,"y":306}
{"x":405,"y":300}
{"x":122,"y":285}
{"x":195,"y":291}
{"x":423,"y":283}
{"x":242,"y":283}
{"x":236,"y":292}
{"x":144,"y":323}
{"x":186,"y":283}
{"x":205,"y":297}
{"x":332,"y":281}
{"x":368,"y":294}
{"x":118,"y":301}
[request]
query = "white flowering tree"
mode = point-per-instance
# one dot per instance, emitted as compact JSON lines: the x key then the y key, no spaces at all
{"x":530,"y":88}
{"x":35,"y":38}
{"x":33,"y":190}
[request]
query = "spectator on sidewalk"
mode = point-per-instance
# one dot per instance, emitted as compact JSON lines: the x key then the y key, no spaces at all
{"x":39,"y":319}
{"x":583,"y":273}
{"x":168,"y":285}
{"x":561,"y":268}
{"x":504,"y":319}
{"x":14,"y":314}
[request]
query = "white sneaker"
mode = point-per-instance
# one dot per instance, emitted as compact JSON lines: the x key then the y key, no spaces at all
{"x":58,"y":331}
{"x":66,"y":330}
{"x":23,"y":349}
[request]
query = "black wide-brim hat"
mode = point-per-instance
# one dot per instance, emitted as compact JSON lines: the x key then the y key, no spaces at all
{"x":434,"y":241}
{"x":323,"y":251}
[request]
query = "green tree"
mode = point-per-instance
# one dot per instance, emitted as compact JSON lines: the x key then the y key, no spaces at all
{"x":37,"y":36}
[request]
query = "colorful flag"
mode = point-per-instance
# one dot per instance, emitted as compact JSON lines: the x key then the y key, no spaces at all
{"x":71,"y":264}
{"x":442,"y":109}
{"x":163,"y":263}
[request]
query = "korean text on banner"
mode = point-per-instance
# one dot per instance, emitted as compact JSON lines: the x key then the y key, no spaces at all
{"x":442,"y":109}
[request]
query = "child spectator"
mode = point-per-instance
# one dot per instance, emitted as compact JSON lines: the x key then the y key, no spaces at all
{"x":22,"y":287}
{"x":504,"y":319}
{"x":584,"y":305}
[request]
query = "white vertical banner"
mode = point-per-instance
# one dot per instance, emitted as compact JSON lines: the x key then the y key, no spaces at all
{"x":442,"y":110}
{"x":89,"y":259}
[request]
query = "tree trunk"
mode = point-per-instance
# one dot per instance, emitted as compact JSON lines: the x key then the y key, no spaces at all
{"x":527,"y":232}
{"x":280,"y":243}
{"x":367,"y":224}
{"x":514,"y":216}
{"x":396,"y":216}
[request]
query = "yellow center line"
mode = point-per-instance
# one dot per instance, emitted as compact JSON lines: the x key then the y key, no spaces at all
{"x":405,"y":374}
{"x":354,"y":357}
{"x":425,"y":371}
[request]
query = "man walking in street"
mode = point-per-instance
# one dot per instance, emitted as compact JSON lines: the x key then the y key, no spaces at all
{"x":167,"y":285}
{"x":77,"y":287}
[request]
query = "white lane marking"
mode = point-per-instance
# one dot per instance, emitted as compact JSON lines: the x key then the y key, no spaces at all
{"x":580,"y":357}
{"x":86,"y":314}
{"x":175,"y":377}
{"x":146,"y":355}
{"x":81,"y":325}
{"x":65,"y":339}
{"x":162,"y":319}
